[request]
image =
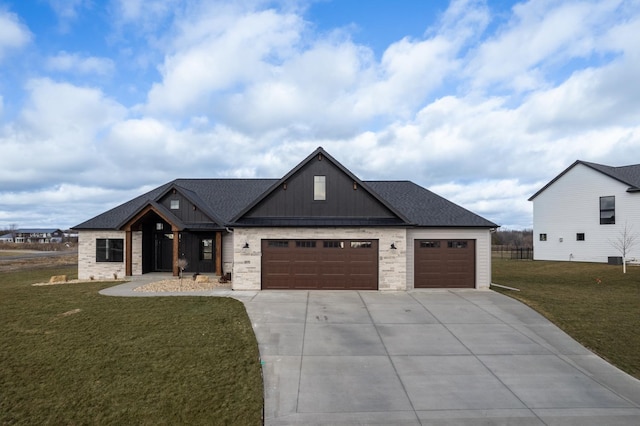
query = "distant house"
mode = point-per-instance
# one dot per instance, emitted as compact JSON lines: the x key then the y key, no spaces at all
{"x":580,"y":212}
{"x":317,"y":227}
{"x":35,"y":235}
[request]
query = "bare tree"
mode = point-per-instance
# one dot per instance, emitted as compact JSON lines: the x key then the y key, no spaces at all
{"x":13,"y":228}
{"x":625,"y":241}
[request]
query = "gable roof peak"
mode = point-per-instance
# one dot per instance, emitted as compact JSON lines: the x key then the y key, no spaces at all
{"x":321,"y":154}
{"x":628,"y":175}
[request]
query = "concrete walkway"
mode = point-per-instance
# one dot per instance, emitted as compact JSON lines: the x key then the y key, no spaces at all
{"x":424,"y":358}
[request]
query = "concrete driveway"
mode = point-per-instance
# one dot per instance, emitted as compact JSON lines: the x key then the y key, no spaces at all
{"x":428,"y":357}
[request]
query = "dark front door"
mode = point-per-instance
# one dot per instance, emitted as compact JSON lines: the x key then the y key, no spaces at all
{"x":163,"y":252}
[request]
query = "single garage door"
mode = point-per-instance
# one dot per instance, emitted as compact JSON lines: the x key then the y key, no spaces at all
{"x":320,"y":264}
{"x":444,"y":263}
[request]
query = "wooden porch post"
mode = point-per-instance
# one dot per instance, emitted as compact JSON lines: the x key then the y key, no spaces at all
{"x":219,"y":253}
{"x":128,"y":267}
{"x":176,"y":254}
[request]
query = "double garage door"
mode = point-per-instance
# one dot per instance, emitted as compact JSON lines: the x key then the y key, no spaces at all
{"x":320,"y":264}
{"x":444,"y":263}
{"x":353,"y":264}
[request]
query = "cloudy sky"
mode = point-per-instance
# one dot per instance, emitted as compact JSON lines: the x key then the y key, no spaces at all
{"x":483,"y":102}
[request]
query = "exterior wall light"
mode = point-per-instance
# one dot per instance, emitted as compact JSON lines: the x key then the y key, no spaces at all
{"x":246,"y":245}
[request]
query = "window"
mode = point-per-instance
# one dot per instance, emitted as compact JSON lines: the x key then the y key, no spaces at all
{"x":580,"y":236}
{"x":607,"y":210}
{"x":278,"y":244}
{"x":159,"y":226}
{"x":305,"y":244}
{"x":333,"y":244}
{"x":206,"y":249}
{"x":109,"y":249}
{"x":175,"y":204}
{"x":543,"y":237}
{"x":319,"y":188}
{"x":360,"y":244}
{"x":429,"y":244}
{"x":457,"y":244}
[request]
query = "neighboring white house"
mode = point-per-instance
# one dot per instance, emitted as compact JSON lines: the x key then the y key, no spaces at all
{"x":35,"y":235}
{"x":582,"y":211}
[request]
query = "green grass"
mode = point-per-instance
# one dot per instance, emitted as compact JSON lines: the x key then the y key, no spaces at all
{"x":71,"y":356}
{"x":595,"y":303}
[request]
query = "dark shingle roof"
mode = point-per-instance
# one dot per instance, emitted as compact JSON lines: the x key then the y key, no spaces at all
{"x":225,"y":198}
{"x":222,"y":197}
{"x":425,"y":208}
{"x":628,"y":175}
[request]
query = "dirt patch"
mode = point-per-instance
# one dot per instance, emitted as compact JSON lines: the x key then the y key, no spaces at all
{"x":80,"y":282}
{"x":176,"y":285}
{"x":38,"y":262}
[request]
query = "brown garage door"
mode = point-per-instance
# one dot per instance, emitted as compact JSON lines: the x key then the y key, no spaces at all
{"x":444,"y":263}
{"x":320,"y":264}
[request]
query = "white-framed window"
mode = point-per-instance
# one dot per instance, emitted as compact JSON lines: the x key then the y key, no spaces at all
{"x":608,"y":210}
{"x":175,"y":204}
{"x":319,"y":188}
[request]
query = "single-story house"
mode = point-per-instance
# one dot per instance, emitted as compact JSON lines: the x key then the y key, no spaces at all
{"x":34,"y":235}
{"x":318,"y":227}
{"x":582,"y":212}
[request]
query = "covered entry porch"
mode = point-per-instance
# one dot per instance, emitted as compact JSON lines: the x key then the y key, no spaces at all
{"x":168,"y":244}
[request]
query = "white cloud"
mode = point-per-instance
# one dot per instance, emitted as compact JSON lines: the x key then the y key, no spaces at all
{"x":482,"y":109}
{"x":502,"y":200}
{"x":66,"y":9}
{"x":541,"y":34}
{"x":62,"y":109}
{"x":50,"y":205}
{"x":149,"y":13}
{"x":59,"y":131}
{"x":13,"y":33}
{"x":260,"y":71}
{"x":76,"y":63}
{"x":220,"y":52}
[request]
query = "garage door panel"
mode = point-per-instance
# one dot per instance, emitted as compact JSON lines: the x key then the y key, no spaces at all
{"x":444,"y":264}
{"x":320,"y":264}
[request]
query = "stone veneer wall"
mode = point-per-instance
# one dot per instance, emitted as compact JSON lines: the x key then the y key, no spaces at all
{"x":87,"y":265}
{"x":392,"y":264}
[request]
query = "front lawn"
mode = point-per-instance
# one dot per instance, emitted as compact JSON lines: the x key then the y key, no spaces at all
{"x":595,"y":303}
{"x":71,"y":356}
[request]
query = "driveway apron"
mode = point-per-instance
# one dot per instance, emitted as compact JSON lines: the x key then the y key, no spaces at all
{"x":428,"y":357}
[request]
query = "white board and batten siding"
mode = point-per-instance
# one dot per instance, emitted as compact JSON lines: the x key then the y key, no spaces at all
{"x":482,"y":237}
{"x":571,"y":205}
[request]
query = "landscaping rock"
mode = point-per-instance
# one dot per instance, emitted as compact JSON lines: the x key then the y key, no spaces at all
{"x":58,"y":279}
{"x":202,"y":278}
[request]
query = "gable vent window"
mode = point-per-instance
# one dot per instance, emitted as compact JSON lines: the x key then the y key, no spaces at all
{"x":175,"y":204}
{"x":319,"y":188}
{"x":607,"y":210}
{"x":580,"y":236}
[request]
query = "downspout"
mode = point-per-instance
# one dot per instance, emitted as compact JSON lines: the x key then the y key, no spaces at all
{"x":234,"y":257}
